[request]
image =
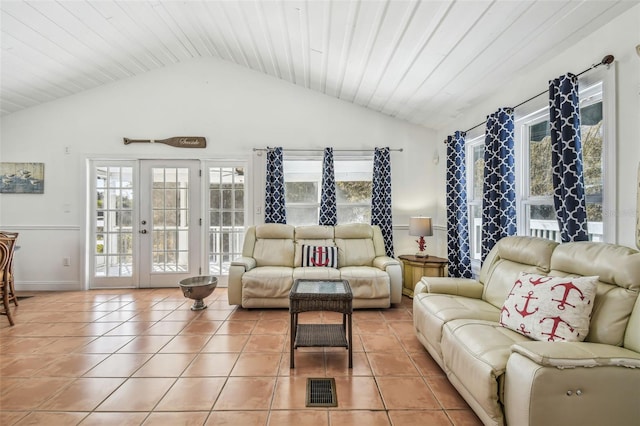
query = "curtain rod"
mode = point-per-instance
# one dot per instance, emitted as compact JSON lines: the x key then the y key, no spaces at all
{"x":322,"y":150}
{"x":607,"y":60}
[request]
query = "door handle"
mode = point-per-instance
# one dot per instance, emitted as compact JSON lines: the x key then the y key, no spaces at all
{"x":143,"y":231}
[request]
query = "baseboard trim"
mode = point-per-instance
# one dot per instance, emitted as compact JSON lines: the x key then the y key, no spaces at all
{"x":47,"y":286}
{"x":41,"y":227}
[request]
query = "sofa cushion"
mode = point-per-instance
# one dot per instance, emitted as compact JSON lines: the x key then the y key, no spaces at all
{"x":509,"y":257}
{"x":314,"y":273}
{"x":320,"y":256}
{"x":353,"y":230}
{"x":274,"y":252}
{"x":613,"y":264}
{"x":313,"y":235}
{"x":475,"y":355}
{"x":355,"y":252}
{"x":355,"y":244}
{"x":548,"y":308}
{"x":432,"y":311}
{"x":367,"y":282}
{"x":618,"y":268}
{"x":274,"y":245}
{"x":275,"y":230}
{"x":313,"y":232}
{"x":267,"y":282}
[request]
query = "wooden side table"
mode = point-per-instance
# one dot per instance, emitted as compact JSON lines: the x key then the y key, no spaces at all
{"x":417,"y":267}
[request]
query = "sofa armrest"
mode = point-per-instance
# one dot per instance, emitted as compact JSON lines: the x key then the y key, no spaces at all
{"x":577,"y":354}
{"x":542,"y":379}
{"x":382,"y":262}
{"x":465,"y":287}
{"x":234,"y":283}
{"x":247,"y":262}
{"x":392,"y":267}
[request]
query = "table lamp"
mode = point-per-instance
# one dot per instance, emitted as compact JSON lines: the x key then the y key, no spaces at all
{"x":420,"y":227}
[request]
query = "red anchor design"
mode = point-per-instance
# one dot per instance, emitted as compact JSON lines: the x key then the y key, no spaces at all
{"x":541,"y":280}
{"x":503,"y":310}
{"x":524,"y":312}
{"x":556,"y":323}
{"x":516,"y":284}
{"x":567,"y":290}
{"x":320,"y":252}
{"x":523,"y":330}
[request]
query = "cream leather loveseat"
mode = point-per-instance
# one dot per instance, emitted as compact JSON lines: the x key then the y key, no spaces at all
{"x":272,"y":259}
{"x":508,"y":378}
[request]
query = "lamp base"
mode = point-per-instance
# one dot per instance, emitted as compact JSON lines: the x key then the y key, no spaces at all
{"x":422,"y":254}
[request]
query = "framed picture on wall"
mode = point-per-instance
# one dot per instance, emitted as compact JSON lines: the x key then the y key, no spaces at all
{"x":22,"y":178}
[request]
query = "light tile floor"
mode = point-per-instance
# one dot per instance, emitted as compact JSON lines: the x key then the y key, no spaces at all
{"x":132,"y":357}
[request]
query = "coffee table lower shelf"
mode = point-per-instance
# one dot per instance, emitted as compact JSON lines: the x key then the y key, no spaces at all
{"x":321,"y":335}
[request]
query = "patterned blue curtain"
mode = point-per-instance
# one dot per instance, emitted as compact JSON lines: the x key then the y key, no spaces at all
{"x":499,"y":188}
{"x":566,"y":159}
{"x":458,"y":249}
{"x":328,"y":211}
{"x":274,"y":208}
{"x":381,"y":196}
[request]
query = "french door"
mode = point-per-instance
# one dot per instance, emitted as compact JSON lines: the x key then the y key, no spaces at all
{"x":169,"y":222}
{"x":146,"y":225}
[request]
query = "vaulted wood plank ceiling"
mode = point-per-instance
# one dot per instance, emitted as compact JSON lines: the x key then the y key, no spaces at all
{"x":420,"y":61}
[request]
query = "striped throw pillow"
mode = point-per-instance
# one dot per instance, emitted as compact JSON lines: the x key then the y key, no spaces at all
{"x":322,"y":256}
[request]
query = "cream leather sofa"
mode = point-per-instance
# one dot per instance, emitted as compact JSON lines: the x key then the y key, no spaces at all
{"x":272,"y":259}
{"x":507,"y":378}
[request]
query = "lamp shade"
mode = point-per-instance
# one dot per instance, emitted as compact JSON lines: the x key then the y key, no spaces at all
{"x":420,"y":226}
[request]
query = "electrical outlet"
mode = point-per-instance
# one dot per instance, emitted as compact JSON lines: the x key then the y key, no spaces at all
{"x":66,"y":261}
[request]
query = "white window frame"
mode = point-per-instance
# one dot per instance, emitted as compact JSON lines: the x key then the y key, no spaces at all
{"x":475,"y":232}
{"x":537,"y":109}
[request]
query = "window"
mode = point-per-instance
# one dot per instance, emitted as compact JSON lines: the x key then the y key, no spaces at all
{"x":534,"y":189}
{"x":303,"y":185}
{"x":537,"y":200}
{"x":475,"y":169}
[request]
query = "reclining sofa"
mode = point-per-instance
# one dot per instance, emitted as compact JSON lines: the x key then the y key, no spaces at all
{"x":272,"y":259}
{"x":508,"y":377}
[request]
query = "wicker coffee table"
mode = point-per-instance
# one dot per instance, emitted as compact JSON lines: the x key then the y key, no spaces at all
{"x":321,"y":295}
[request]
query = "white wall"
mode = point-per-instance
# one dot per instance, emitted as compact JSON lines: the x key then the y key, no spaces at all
{"x":234,"y":108}
{"x":617,"y":38}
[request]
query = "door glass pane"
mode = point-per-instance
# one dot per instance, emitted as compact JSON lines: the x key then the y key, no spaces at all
{"x":170,"y":225}
{"x":226,"y":217}
{"x":113,"y":241}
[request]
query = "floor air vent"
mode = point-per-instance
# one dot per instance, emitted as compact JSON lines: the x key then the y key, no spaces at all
{"x":321,"y":393}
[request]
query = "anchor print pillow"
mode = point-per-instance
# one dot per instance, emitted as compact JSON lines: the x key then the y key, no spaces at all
{"x":324,"y":256}
{"x":554,"y":309}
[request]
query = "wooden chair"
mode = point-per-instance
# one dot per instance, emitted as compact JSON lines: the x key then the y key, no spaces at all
{"x":4,"y":283}
{"x":10,"y":239}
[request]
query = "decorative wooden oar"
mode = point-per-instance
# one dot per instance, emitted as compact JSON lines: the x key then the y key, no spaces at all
{"x":178,"y":141}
